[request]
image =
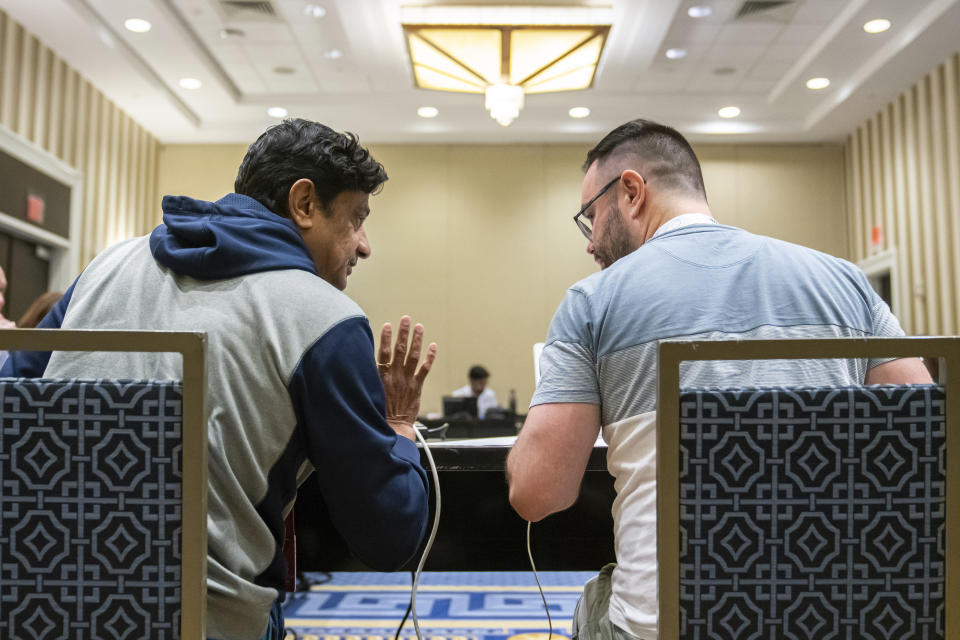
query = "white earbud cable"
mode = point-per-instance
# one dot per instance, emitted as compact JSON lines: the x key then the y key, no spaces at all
{"x":433,"y":532}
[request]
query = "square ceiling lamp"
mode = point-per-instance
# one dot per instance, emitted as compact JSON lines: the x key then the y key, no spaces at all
{"x":504,"y":61}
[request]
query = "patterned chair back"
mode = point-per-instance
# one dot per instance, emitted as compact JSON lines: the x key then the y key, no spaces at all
{"x":829,"y":512}
{"x":90,"y":508}
{"x":103,"y":495}
{"x":812,"y":513}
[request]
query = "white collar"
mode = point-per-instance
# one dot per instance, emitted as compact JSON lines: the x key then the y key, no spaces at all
{"x":684,"y":220}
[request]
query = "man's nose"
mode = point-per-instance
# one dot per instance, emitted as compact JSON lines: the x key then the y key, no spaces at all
{"x":363,"y":249}
{"x":590,"y":247}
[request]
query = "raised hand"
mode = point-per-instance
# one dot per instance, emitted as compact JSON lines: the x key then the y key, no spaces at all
{"x":401,"y":376}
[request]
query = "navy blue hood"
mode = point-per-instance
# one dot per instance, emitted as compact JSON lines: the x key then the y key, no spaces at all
{"x":232,"y":237}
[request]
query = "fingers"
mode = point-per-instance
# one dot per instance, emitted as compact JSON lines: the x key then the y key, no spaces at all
{"x":415,"y":345}
{"x":383,"y":355}
{"x":400,"y":349}
{"x":404,"y":355}
{"x":421,"y":374}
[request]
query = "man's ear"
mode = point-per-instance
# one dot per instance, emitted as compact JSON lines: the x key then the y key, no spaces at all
{"x":635,"y":191}
{"x":301,"y":203}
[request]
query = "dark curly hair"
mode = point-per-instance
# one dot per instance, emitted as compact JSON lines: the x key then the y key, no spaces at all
{"x":297,"y":148}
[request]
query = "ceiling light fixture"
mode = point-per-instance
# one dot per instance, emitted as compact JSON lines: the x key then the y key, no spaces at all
{"x":818,"y":83}
{"x":428,"y":112}
{"x":333,"y":54}
{"x":314,"y":11}
{"x":231,"y":34}
{"x":729,"y":112}
{"x":504,"y":102}
{"x":190,"y":83}
{"x":504,"y":62}
{"x":137,"y":25}
{"x":877,"y":26}
{"x":699,"y":12}
{"x":277,"y":112}
{"x":579,"y":112}
{"x":676,"y":54}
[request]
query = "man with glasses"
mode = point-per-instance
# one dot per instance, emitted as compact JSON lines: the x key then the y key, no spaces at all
{"x":668,"y":270}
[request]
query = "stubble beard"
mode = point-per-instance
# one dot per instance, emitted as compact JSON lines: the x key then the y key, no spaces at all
{"x":616,"y":240}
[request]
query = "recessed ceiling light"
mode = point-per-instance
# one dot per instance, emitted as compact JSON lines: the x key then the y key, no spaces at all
{"x":676,"y":54}
{"x":699,"y":12}
{"x":333,"y":54}
{"x":230,"y":33}
{"x":137,"y":25}
{"x":579,"y":112}
{"x":877,"y":26}
{"x":190,"y":83}
{"x":428,"y":112}
{"x":314,"y":11}
{"x":818,"y":83}
{"x":729,"y":112}
{"x":277,"y":112}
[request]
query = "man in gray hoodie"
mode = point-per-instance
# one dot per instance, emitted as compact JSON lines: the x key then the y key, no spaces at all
{"x":294,"y":385}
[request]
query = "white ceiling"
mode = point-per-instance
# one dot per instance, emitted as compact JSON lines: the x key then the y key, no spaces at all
{"x":763,"y":62}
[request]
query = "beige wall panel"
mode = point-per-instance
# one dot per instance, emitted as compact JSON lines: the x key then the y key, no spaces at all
{"x":180,"y":174}
{"x":101,"y":214}
{"x":792,"y":193}
{"x":927,"y":204}
{"x":852,"y":198}
{"x":55,"y":114}
{"x":904,"y":268}
{"x":915,"y":250}
{"x":866,"y":173}
{"x":28,"y":61}
{"x":114,"y":152}
{"x":876,"y":177}
{"x":152,"y":207}
{"x":41,"y":97}
{"x":923,"y":162}
{"x":886,"y":166}
{"x":10,"y":83}
{"x":71,"y":117}
{"x":952,"y":133}
{"x":720,"y":178}
{"x":941,"y":221}
{"x":123,"y":228}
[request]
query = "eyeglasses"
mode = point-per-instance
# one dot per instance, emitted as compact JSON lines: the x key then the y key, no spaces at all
{"x":584,"y":223}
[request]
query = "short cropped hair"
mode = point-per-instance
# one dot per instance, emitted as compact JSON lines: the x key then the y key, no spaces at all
{"x":664,"y":153}
{"x":478,"y":373}
{"x":296,"y":148}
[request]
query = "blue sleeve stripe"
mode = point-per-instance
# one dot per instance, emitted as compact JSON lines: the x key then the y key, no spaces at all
{"x":373,"y":483}
{"x":31,"y":364}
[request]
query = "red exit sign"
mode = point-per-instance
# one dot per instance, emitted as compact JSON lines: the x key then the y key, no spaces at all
{"x":35,"y":206}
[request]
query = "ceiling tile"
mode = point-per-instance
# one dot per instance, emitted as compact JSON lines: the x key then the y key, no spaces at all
{"x":800,"y":33}
{"x":749,"y":33}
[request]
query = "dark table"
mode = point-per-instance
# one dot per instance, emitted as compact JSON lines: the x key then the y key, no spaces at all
{"x":479,"y":530}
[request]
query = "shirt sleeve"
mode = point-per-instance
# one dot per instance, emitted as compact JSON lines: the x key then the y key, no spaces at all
{"x":31,"y":364}
{"x":885,"y":325}
{"x":568,"y":363}
{"x":371,"y":478}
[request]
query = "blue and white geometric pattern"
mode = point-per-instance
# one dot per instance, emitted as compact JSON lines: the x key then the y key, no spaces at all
{"x":812,"y":513}
{"x":90,"y":509}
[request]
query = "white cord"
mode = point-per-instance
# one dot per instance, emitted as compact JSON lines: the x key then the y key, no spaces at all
{"x":433,"y":533}
{"x":535,"y":577}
